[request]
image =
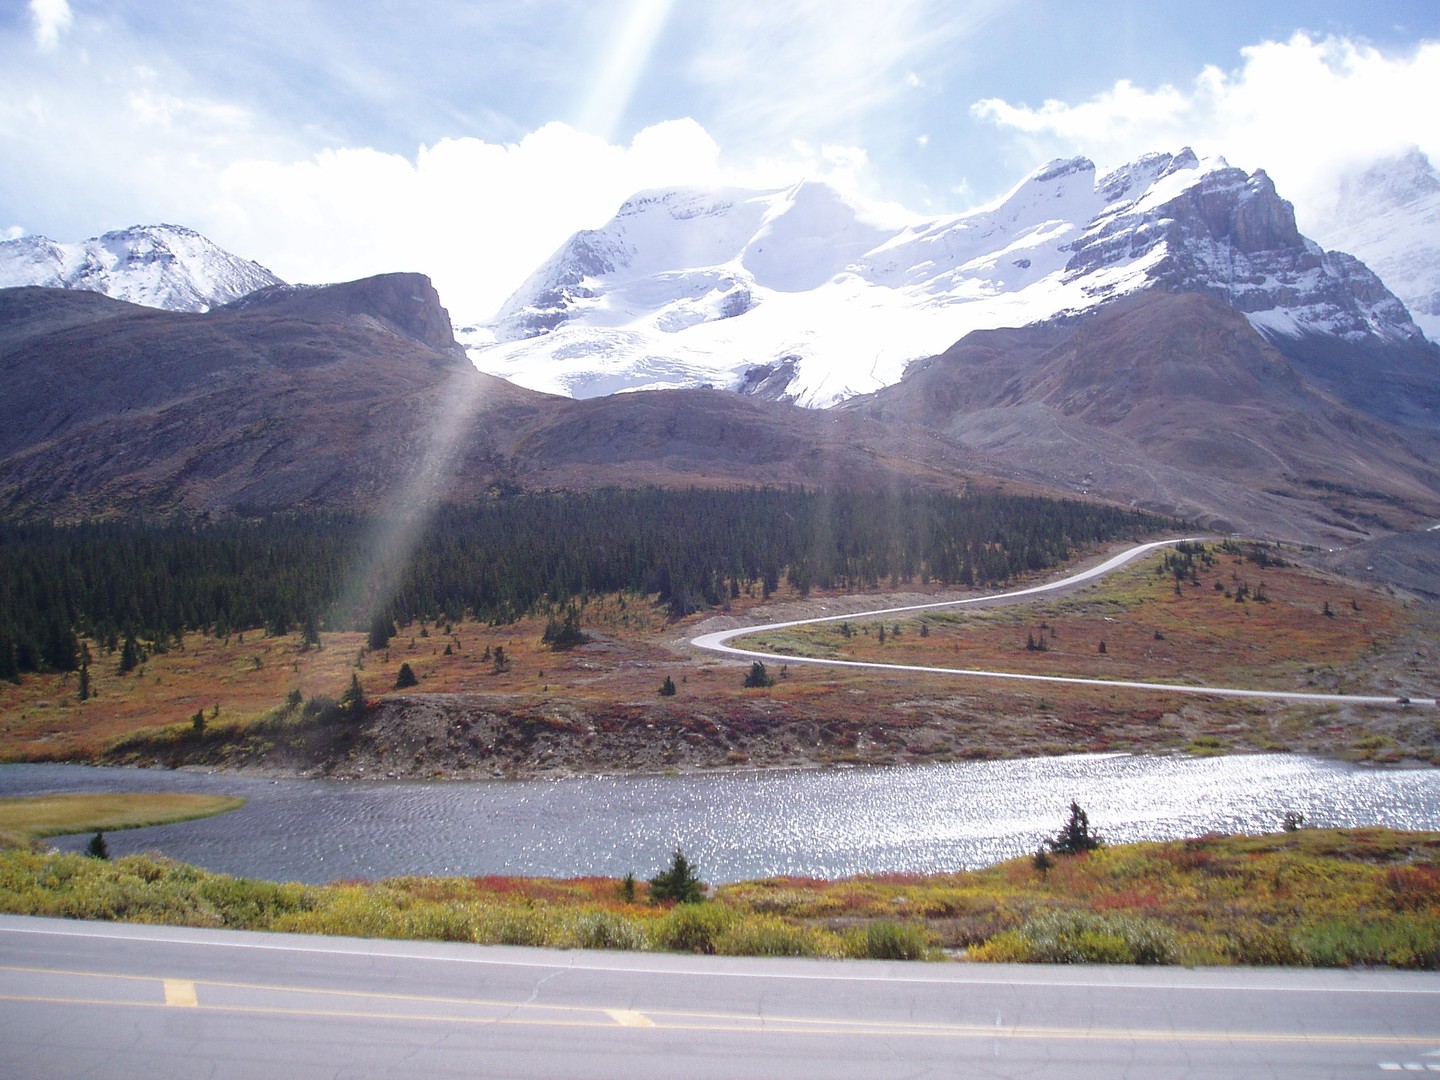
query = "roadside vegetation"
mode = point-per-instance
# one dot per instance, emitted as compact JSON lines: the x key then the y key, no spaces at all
{"x":1302,"y":897}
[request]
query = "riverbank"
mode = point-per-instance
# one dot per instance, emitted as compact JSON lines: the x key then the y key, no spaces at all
{"x":25,"y":819}
{"x":494,"y":702}
{"x":1299,"y":898}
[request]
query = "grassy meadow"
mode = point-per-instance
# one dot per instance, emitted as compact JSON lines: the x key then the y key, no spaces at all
{"x":35,"y":817}
{"x":1330,"y":898}
{"x":1241,"y":615}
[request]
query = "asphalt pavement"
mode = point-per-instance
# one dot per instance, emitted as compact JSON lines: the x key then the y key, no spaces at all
{"x":99,"y":1001}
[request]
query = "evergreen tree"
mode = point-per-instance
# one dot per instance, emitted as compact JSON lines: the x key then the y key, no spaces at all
{"x":9,"y":669}
{"x":758,"y":676}
{"x":667,"y":688}
{"x":405,"y":678}
{"x":310,"y":631}
{"x":1075,"y":837}
{"x":352,"y":702}
{"x":130,"y":655}
{"x":382,"y":629}
{"x":564,"y":635}
{"x":679,"y":884}
{"x":97,"y":848}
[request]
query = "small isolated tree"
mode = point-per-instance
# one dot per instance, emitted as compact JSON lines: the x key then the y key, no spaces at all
{"x":679,"y":884}
{"x":352,"y":702}
{"x":1075,"y":838}
{"x":667,"y":688}
{"x":758,"y":676}
{"x":1042,"y":861}
{"x":627,"y":889}
{"x":294,"y":699}
{"x":97,"y":848}
{"x":197,"y":722}
{"x":501,"y":662}
{"x":405,"y":678}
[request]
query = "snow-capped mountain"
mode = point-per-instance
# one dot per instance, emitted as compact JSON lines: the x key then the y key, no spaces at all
{"x":159,"y":266}
{"x":811,"y":295}
{"x":1389,"y":217}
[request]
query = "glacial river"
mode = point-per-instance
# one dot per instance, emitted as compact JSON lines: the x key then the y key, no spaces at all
{"x":737,"y":825}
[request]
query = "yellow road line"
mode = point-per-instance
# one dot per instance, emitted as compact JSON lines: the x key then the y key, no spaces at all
{"x":793,"y":1026}
{"x":181,"y":993}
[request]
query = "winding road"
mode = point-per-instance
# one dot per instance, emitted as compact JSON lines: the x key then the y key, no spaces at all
{"x":718,"y":642}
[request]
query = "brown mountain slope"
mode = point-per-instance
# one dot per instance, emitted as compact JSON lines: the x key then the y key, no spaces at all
{"x":354,"y":396}
{"x":114,"y":407}
{"x":1173,"y":401}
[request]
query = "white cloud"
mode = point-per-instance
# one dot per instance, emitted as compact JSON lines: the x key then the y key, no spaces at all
{"x":1305,"y":110}
{"x":117,"y":136}
{"x":476,"y":216}
{"x":51,"y":18}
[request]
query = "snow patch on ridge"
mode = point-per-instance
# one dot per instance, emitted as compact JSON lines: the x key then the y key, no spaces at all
{"x":160,"y":266}
{"x":729,"y":288}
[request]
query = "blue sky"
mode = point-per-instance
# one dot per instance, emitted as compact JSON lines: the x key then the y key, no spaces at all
{"x":468,"y":139}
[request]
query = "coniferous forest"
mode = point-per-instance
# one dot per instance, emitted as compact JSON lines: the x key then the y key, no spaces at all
{"x":496,"y":561}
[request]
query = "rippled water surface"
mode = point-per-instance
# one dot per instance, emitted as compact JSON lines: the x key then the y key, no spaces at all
{"x":738,"y":825}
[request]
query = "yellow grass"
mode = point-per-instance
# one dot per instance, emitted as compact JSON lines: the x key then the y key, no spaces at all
{"x":33,"y":817}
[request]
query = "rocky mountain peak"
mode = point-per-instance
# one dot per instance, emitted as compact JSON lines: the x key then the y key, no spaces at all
{"x":162,"y":266}
{"x":404,"y":303}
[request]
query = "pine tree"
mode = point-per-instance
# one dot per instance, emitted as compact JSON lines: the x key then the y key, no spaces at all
{"x":667,"y":688}
{"x":381,"y":631}
{"x":130,"y":655}
{"x":679,"y":884}
{"x":758,"y":676}
{"x":97,"y":848}
{"x":1075,"y":837}
{"x":352,"y":702}
{"x":564,"y":635}
{"x":9,"y":669}
{"x":405,"y":678}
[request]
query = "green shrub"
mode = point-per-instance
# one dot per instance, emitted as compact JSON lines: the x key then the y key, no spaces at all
{"x":517,"y":926}
{"x":598,"y":929}
{"x":888,"y":941}
{"x":692,"y":927}
{"x":767,"y":935}
{"x":1401,"y":943}
{"x":1082,"y":937}
{"x":1263,"y":946}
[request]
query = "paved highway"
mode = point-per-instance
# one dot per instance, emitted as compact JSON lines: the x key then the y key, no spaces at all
{"x":719,"y":642}
{"x":104,"y":1001}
